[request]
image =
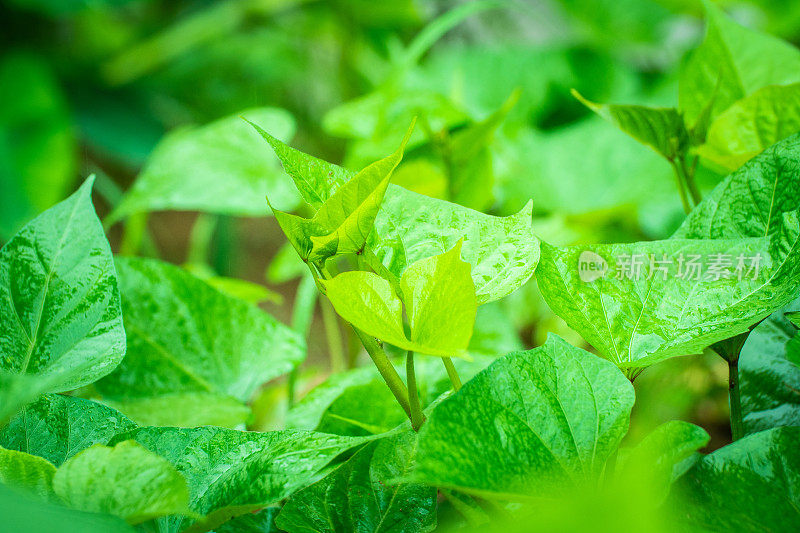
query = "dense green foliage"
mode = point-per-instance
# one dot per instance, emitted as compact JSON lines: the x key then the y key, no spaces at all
{"x":522,"y":303}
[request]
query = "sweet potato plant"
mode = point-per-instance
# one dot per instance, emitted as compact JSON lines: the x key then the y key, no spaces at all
{"x":130,"y":387}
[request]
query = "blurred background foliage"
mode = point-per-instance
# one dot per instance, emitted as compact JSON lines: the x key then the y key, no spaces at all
{"x":154,"y":89}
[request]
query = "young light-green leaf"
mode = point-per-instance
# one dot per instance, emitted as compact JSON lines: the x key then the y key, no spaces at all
{"x":533,"y":424}
{"x":57,"y":427}
{"x":503,"y":251}
{"x":26,"y":472}
{"x":731,"y":63}
{"x":216,"y":168}
{"x":438,"y":294}
{"x":753,"y":124}
{"x":125,"y":480}
{"x":184,"y":336}
{"x":344,"y":221}
{"x":59,"y":303}
{"x":364,"y":494}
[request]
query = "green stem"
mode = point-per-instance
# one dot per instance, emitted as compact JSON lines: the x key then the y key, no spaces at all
{"x":681,"y":190}
{"x":452,"y":373}
{"x":333,"y":334}
{"x":737,"y":424}
{"x":200,"y":239}
{"x":387,"y":371}
{"x":417,"y":418}
{"x":133,"y":235}
{"x":305,"y":300}
{"x":688,"y":177}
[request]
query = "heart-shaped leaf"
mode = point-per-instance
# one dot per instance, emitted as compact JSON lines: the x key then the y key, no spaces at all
{"x":185,"y":337}
{"x":364,"y":494}
{"x":127,"y":481}
{"x":533,"y":424}
{"x":57,"y":427}
{"x":59,"y":302}
{"x":439,"y":298}
{"x":646,"y":302}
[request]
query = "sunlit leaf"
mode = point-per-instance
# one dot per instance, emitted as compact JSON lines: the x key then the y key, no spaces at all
{"x":28,"y":473}
{"x":127,"y":481}
{"x":59,"y":302}
{"x":533,"y":424}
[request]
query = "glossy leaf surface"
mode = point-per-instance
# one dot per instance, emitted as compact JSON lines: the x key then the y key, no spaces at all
{"x":127,"y":481}
{"x":57,"y":427}
{"x":186,"y":337}
{"x":649,"y":303}
{"x":769,"y":372}
{"x":59,"y":301}
{"x":364,"y":494}
{"x":217,"y":168}
{"x":750,"y":485}
{"x":234,"y":472}
{"x":533,"y":424}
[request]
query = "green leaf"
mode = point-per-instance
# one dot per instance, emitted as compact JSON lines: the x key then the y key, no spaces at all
{"x":364,"y":494}
{"x":187,"y":409}
{"x":643,"y":303}
{"x":57,"y":427}
{"x":28,"y":473}
{"x":185,"y":337}
{"x":343,"y":223}
{"x":750,"y":485}
{"x":19,"y":390}
{"x":439,"y":297}
{"x":470,"y":160}
{"x":234,"y":472}
{"x":316,"y":179}
{"x":440,"y":301}
{"x":503,"y":251}
{"x":794,"y":318}
{"x":217,"y":168}
{"x":533,"y":424}
{"x":752,"y":201}
{"x":648,"y":469}
{"x":125,"y":480}
{"x":660,"y":128}
{"x":59,"y":302}
{"x":37,"y":142}
{"x":753,"y":124}
{"x":769,"y":372}
{"x":731,"y":63}
{"x":32,"y":515}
